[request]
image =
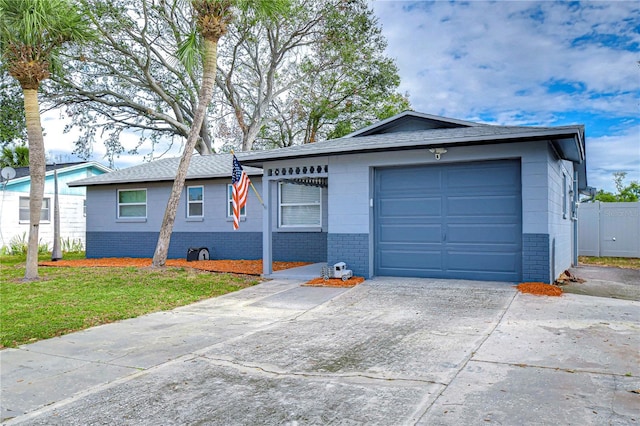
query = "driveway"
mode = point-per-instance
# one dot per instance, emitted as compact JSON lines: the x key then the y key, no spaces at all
{"x":389,"y":351}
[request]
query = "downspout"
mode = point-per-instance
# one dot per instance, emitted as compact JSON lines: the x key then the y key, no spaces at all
{"x":574,"y":217}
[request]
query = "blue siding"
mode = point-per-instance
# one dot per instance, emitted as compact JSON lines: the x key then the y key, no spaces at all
{"x":536,"y":258}
{"x":353,"y":249}
{"x":449,"y":221}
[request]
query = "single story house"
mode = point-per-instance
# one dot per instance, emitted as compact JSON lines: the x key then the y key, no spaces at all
{"x":14,"y":204}
{"x":413,"y":195}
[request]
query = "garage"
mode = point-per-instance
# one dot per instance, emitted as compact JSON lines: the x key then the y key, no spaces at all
{"x":459,"y":220}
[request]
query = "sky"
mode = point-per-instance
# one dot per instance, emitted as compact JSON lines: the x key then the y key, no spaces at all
{"x":524,"y":63}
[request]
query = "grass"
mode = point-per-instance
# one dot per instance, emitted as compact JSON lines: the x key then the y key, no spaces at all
{"x":619,"y":262}
{"x":65,"y":300}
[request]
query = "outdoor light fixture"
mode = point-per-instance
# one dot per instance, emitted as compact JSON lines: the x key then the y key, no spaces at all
{"x":437,"y":152}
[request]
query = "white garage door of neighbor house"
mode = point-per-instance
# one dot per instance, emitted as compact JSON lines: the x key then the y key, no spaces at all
{"x":449,"y":221}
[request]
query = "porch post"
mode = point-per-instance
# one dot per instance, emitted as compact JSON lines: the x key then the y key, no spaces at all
{"x":267,"y":255}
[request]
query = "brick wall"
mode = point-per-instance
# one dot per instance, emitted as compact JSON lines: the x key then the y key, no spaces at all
{"x":221,"y":245}
{"x":290,"y":246}
{"x":353,"y":249}
{"x":536,"y":258}
{"x":300,"y":246}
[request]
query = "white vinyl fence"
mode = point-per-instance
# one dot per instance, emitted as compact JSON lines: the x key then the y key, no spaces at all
{"x":609,"y":229}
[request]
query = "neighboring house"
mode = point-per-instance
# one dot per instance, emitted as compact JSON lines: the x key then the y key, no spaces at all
{"x":14,"y":203}
{"x":414,"y":195}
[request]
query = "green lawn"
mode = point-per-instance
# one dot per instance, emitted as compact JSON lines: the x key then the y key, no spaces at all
{"x":70,"y":299}
{"x":620,"y":262}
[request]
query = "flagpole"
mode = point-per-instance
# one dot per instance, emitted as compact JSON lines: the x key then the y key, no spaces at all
{"x":254,"y":188}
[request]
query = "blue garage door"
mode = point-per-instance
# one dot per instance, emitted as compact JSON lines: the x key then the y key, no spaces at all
{"x":449,"y":221}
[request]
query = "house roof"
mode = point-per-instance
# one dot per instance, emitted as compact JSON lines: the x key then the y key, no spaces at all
{"x":23,"y":175}
{"x":200,"y":167}
{"x":395,"y":134}
{"x":568,"y":141}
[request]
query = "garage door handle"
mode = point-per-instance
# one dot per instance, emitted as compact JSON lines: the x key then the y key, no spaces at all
{"x":444,"y":236}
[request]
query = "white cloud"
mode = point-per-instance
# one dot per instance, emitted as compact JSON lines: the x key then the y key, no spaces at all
{"x":526,"y":63}
{"x":609,"y":154}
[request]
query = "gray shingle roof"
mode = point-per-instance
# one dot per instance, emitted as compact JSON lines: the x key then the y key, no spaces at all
{"x":435,"y":137}
{"x":200,"y":167}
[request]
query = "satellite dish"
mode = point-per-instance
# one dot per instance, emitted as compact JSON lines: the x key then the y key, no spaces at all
{"x":8,"y":173}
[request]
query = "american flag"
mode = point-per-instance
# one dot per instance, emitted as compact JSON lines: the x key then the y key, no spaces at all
{"x":240,"y":183}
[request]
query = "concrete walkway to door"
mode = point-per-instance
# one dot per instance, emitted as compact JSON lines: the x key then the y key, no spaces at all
{"x":389,"y":351}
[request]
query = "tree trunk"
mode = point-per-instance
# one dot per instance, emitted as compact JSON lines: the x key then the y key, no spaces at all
{"x":37,"y":171}
{"x":204,"y":98}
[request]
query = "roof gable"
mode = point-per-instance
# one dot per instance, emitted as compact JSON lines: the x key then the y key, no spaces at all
{"x":408,"y":121}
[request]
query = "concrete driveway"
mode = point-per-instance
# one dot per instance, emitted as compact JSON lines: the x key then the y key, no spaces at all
{"x":390,"y":352}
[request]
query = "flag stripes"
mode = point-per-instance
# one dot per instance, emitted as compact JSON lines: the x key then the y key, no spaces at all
{"x":240,"y":184}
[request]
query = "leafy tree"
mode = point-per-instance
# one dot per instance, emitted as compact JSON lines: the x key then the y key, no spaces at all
{"x":12,"y":124}
{"x":14,"y":156}
{"x":32,"y":33}
{"x":130,"y":82}
{"x":211,"y":18}
{"x":626,"y":193}
{"x":321,"y":73}
{"x":346,"y":82}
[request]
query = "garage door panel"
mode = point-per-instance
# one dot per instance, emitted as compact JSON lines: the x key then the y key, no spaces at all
{"x":405,"y":180}
{"x":449,"y":221}
{"x":410,"y":207}
{"x":487,"y":234}
{"x":489,"y":178}
{"x":486,"y":262}
{"x":494,"y":205}
{"x":428,"y":260}
{"x":408,"y":233}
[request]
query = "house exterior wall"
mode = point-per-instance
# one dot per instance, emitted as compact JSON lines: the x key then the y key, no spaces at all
{"x":108,"y":236}
{"x":560,"y":215}
{"x":72,"y":220}
{"x":70,"y":199}
{"x":351,"y":222}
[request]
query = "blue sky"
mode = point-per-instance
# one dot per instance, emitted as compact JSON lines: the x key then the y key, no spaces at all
{"x":537,"y":63}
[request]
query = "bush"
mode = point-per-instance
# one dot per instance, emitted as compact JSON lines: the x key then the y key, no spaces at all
{"x":72,"y":246}
{"x":19,"y":243}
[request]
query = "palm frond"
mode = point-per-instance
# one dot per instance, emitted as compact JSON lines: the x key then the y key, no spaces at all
{"x":190,"y":51}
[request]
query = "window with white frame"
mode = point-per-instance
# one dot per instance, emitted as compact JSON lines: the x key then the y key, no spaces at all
{"x":243,"y":210}
{"x":45,"y":213}
{"x":299,"y":205}
{"x":195,"y":201}
{"x":132,"y":203}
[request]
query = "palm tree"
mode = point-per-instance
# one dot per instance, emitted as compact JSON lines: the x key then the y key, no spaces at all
{"x":32,"y":32}
{"x":211,"y":18}
{"x":14,"y":156}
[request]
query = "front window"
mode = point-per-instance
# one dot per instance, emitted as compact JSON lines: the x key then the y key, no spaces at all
{"x":299,"y":205}
{"x":195,"y":201}
{"x":132,"y":203}
{"x":45,"y":213}
{"x":243,"y":210}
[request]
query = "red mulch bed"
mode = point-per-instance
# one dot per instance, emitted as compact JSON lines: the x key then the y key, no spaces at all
{"x":334,"y":282}
{"x":248,"y":267}
{"x":540,"y":289}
